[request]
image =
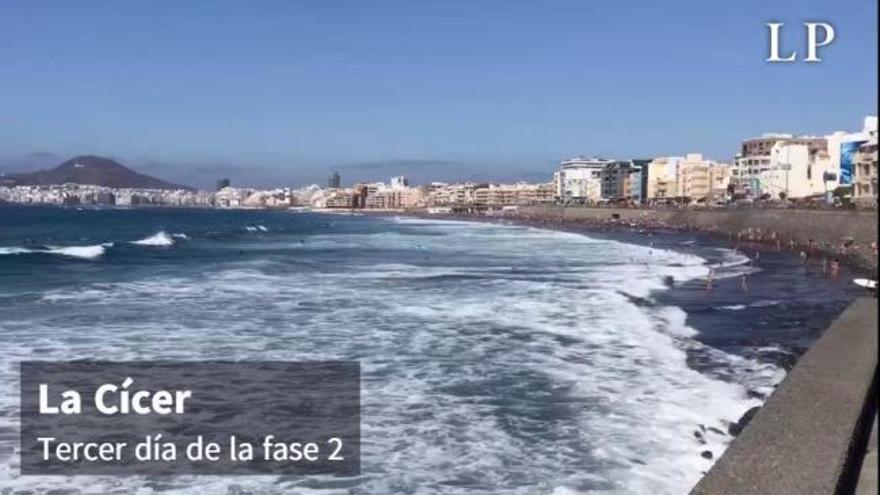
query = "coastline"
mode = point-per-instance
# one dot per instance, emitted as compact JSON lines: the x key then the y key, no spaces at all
{"x":852,"y":247}
{"x":855,"y":252}
{"x":716,"y":315}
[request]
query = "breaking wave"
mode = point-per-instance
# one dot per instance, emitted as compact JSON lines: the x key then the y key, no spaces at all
{"x":158,"y":239}
{"x":82,"y":252}
{"x":763,"y":303}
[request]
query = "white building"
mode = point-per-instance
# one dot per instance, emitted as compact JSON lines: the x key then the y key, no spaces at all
{"x":399,"y":182}
{"x":795,"y":171}
{"x":843,"y":147}
{"x":579,"y":180}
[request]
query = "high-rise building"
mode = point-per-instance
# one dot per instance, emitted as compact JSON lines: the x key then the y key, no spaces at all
{"x":399,"y":182}
{"x":223,"y":183}
{"x":334,"y":181}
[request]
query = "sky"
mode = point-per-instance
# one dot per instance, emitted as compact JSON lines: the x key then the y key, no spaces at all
{"x":284,"y":92}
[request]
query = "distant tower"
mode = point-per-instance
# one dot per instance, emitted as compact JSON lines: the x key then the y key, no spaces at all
{"x":334,"y":181}
{"x":222,"y":183}
{"x":399,"y":182}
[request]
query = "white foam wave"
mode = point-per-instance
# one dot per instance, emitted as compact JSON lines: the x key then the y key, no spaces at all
{"x":158,"y":239}
{"x":763,"y":303}
{"x":560,"y":342}
{"x":180,"y":236}
{"x":256,"y":228}
{"x":14,"y":250}
{"x":83,"y":252}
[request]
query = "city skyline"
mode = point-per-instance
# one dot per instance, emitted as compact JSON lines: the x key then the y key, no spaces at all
{"x":284,"y":93}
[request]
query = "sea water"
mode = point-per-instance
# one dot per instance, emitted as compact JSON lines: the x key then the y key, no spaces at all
{"x":496,"y":358}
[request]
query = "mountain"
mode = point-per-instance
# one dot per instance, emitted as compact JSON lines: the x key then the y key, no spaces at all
{"x":89,"y":169}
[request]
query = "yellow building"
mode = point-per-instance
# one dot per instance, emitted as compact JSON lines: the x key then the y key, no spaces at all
{"x":865,"y":183}
{"x":691,"y":178}
{"x":661,"y":183}
{"x":701,"y":180}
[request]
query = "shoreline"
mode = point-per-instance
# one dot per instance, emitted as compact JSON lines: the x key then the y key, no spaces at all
{"x":760,"y":254}
{"x":859,"y":259}
{"x":789,"y":355}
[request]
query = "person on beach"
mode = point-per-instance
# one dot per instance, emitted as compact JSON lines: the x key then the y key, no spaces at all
{"x":835,"y":267}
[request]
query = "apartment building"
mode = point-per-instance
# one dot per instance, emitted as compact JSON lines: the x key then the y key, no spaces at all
{"x":701,"y":180}
{"x":495,"y":195}
{"x":579,"y":180}
{"x":865,"y":180}
{"x":799,"y":166}
{"x":616,"y":180}
{"x":755,"y":153}
{"x":661,"y":184}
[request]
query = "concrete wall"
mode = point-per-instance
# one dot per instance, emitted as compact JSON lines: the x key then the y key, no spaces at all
{"x":811,"y":434}
{"x":822,"y":225}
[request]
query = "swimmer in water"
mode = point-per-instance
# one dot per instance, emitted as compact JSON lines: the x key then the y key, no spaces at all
{"x":744,"y":283}
{"x":709,"y":278}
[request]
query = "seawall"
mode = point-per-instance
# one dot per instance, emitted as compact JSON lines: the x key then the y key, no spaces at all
{"x":812,"y":433}
{"x":846,"y":234}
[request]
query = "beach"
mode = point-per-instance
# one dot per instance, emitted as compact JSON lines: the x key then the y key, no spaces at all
{"x":497,"y":357}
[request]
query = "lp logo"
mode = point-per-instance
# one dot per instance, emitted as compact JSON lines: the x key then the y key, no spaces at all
{"x":813,"y":42}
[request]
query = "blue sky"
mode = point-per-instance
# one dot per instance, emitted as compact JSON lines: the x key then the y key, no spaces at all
{"x":287,"y":91}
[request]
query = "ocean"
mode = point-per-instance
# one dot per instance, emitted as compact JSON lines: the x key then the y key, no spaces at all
{"x":496,"y":358}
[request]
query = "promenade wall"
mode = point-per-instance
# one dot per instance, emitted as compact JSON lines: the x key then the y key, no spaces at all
{"x":812,"y":433}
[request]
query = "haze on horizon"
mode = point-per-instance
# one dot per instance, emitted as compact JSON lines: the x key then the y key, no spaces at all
{"x":282,"y":92}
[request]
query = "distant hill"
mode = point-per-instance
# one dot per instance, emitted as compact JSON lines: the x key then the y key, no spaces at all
{"x":89,"y":169}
